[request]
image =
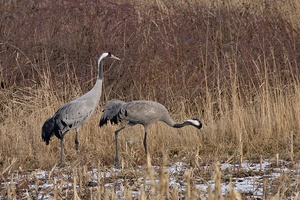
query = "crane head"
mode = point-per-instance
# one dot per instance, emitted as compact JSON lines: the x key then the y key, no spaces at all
{"x":110,"y":55}
{"x":107,"y":55}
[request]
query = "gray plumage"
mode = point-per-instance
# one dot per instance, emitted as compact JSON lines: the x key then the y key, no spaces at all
{"x":75,"y":113}
{"x":139,"y":112}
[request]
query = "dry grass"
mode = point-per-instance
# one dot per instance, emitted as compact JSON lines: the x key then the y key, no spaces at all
{"x":233,"y":64}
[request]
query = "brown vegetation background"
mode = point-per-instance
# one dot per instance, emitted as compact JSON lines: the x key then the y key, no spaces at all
{"x":233,"y":64}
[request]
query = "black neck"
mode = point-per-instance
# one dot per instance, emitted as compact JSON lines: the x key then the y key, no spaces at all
{"x":100,"y":70}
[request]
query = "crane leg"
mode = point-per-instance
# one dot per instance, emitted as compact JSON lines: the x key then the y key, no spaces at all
{"x":145,"y":140}
{"x":145,"y":143}
{"x":116,"y":139}
{"x":116,"y":157}
{"x":76,"y":142}
{"x":62,"y":153}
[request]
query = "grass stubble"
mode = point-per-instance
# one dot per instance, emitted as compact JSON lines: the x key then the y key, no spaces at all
{"x":235,"y":65}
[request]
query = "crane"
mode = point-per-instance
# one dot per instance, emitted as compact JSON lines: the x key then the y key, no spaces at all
{"x":75,"y":113}
{"x":141,"y":112}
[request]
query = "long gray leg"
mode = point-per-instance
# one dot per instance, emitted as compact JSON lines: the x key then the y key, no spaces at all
{"x":145,"y":141}
{"x":116,"y":139}
{"x":62,"y":153}
{"x":76,"y":141}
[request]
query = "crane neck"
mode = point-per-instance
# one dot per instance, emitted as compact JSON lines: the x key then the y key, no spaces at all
{"x":97,"y":89}
{"x":98,"y":84}
{"x":100,"y":68}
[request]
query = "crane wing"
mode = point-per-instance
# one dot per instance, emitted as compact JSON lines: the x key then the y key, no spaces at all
{"x":73,"y":114}
{"x":111,"y":112}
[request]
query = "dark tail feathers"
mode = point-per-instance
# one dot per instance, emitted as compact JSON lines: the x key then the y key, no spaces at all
{"x":113,"y":120}
{"x":111,"y":112}
{"x":49,"y":129}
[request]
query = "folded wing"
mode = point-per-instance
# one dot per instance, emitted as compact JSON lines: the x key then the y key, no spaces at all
{"x":111,"y":112}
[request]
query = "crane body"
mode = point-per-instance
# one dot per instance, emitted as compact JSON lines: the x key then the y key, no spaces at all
{"x":76,"y":112}
{"x":141,"y":112}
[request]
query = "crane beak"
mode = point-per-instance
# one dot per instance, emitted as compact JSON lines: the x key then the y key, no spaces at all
{"x":115,"y":57}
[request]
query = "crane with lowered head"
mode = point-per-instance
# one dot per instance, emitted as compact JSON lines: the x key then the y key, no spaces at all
{"x":141,"y":112}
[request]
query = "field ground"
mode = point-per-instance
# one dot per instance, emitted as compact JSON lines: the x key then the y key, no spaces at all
{"x":277,"y":179}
